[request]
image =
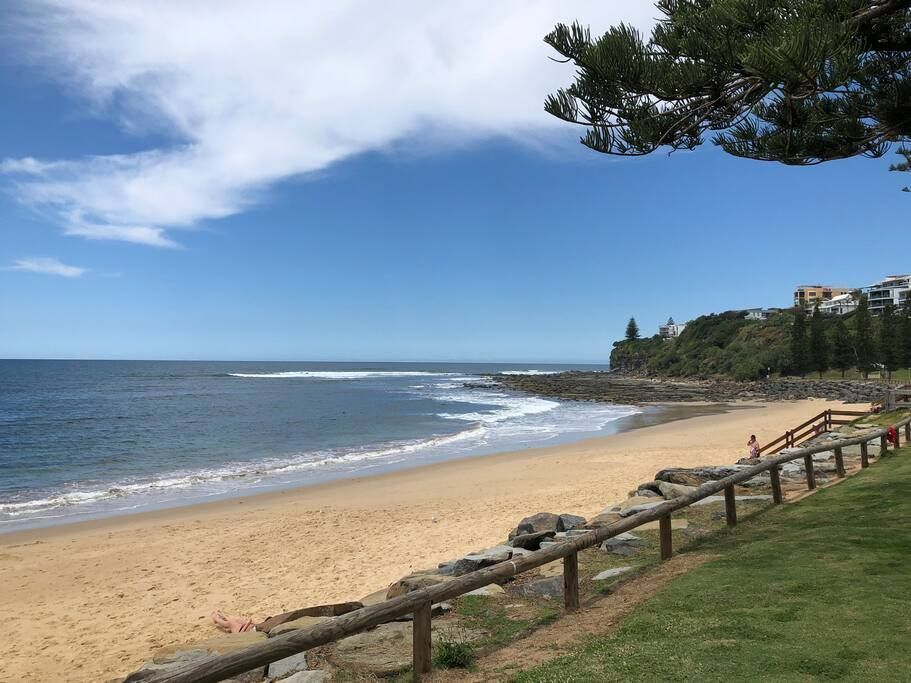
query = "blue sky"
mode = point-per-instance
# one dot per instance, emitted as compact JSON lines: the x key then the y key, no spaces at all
{"x":427,"y":227}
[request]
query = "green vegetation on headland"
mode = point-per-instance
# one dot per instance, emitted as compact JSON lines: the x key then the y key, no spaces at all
{"x":730,"y":345}
{"x":815,"y":590}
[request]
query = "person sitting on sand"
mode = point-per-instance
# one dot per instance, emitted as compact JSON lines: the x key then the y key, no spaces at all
{"x":754,"y":447}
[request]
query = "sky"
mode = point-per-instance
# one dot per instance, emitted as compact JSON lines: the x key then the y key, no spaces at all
{"x":365,"y":181}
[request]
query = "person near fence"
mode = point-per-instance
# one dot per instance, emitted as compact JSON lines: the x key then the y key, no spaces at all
{"x":753,"y":445}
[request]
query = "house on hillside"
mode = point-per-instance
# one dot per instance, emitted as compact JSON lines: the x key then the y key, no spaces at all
{"x":670,"y":330}
{"x":894,"y":290}
{"x":839,"y":305}
{"x":807,"y":296}
{"x":760,"y":313}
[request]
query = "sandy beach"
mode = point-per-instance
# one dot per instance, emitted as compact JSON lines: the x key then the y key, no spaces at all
{"x":91,"y":601}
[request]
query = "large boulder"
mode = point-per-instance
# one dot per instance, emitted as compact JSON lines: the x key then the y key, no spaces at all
{"x":415,"y":582}
{"x":176,"y":656}
{"x":548,"y":588}
{"x":570,"y":522}
{"x":543,"y":521}
{"x":611,"y":573}
{"x":531,"y":541}
{"x":623,"y":544}
{"x":671,"y":491}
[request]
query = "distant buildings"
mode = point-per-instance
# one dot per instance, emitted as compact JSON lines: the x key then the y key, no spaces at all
{"x":670,"y":330}
{"x":760,"y":313}
{"x":894,"y":290}
{"x":839,"y":305}
{"x":807,"y":296}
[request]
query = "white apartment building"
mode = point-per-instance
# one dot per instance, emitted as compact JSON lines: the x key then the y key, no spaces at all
{"x":760,"y":313}
{"x":839,"y":305}
{"x":894,"y":289}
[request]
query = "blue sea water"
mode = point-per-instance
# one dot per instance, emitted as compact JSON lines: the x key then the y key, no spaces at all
{"x":82,"y":439}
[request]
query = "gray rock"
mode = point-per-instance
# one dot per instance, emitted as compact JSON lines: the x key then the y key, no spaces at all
{"x":531,"y":541}
{"x":309,"y":677}
{"x":176,"y":656}
{"x":570,"y":522}
{"x":287,"y":666}
{"x":647,"y":493}
{"x":472,"y":563}
{"x":548,"y":588}
{"x":409,"y":584}
{"x":611,"y":573}
{"x":491,"y":590}
{"x":624,"y":544}
{"x":543,"y":521}
{"x":671,"y":491}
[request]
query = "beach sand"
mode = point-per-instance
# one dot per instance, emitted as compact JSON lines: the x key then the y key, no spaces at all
{"x":91,"y":601}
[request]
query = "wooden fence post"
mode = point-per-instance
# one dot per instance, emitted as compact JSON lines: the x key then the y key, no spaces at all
{"x":898,"y":438}
{"x":864,"y":455}
{"x":777,"y":498}
{"x":811,"y":472}
{"x":730,"y":505}
{"x":908,"y":433}
{"x":839,"y":464}
{"x":883,"y":445}
{"x":422,"y":661}
{"x":571,"y":582}
{"x":664,"y":530}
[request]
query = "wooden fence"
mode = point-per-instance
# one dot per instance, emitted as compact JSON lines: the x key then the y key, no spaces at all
{"x":807,"y":430}
{"x":219,"y":667}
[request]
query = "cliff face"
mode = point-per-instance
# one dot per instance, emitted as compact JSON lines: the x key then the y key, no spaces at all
{"x":726,"y":344}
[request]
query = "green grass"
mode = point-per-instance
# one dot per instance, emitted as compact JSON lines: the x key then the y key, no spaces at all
{"x":492,"y":617}
{"x":818,"y":590}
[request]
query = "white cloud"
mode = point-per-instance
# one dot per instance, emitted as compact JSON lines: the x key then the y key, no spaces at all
{"x":47,"y":266}
{"x":253,"y":93}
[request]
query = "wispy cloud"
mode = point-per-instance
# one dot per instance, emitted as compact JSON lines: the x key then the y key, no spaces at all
{"x":47,"y":266}
{"x":254,"y":93}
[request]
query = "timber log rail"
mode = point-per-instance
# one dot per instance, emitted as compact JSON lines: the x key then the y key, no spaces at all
{"x":220,"y":667}
{"x":814,"y":426}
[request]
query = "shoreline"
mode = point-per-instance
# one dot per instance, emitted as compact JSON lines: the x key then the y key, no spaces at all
{"x":91,"y":600}
{"x":649,"y":415}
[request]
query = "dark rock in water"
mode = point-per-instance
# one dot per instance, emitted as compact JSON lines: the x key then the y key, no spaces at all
{"x":531,"y":541}
{"x":549,"y":588}
{"x":543,"y":521}
{"x":570,"y":522}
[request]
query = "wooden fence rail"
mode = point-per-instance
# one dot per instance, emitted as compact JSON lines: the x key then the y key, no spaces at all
{"x":812,"y":427}
{"x":219,"y":667}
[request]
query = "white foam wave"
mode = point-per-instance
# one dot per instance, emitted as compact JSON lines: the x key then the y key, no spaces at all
{"x":531,"y":372}
{"x":332,"y":374}
{"x":244,"y":472}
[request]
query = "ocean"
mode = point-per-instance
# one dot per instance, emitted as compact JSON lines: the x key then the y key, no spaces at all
{"x":87,"y":439}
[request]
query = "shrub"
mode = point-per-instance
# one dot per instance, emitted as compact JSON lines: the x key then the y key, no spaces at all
{"x":453,"y":652}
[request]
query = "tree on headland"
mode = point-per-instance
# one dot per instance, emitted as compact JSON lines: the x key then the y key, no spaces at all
{"x":800,"y":349}
{"x":842,"y":351}
{"x":864,"y":347}
{"x":890,"y":348}
{"x":794,"y":81}
{"x":819,"y":345}
{"x":632,"y":330}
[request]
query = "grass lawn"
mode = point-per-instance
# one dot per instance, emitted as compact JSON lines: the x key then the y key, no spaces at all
{"x":817,"y":590}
